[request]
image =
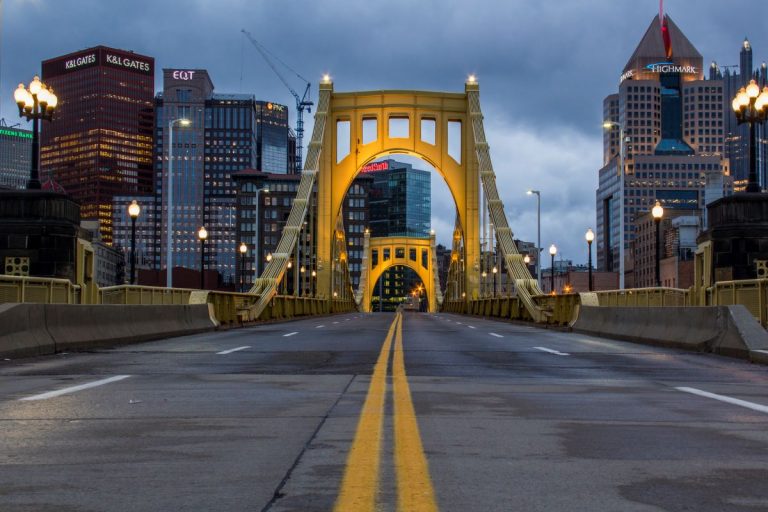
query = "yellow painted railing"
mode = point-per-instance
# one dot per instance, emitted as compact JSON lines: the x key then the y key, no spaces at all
{"x":228,"y":307}
{"x":38,"y":289}
{"x":752,"y":294}
{"x":645,"y":297}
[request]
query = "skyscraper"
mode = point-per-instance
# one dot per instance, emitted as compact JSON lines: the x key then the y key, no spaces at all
{"x":665,"y":142}
{"x":99,"y":143}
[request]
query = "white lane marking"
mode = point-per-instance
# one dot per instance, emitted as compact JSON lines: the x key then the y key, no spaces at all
{"x":225,"y":352}
{"x":726,"y":399}
{"x":556,"y":352}
{"x":458,"y":323}
{"x":494,"y":334}
{"x":472,"y":327}
{"x":761,"y":351}
{"x":335,"y":322}
{"x":319,"y":326}
{"x":72,"y":389}
{"x":290,"y":334}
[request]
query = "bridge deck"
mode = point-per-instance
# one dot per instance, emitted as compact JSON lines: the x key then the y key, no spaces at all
{"x":509,"y":418}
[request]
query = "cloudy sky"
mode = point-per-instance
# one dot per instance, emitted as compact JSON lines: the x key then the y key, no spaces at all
{"x":543,"y":68}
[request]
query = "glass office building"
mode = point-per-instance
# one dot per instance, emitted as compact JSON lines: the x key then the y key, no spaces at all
{"x":99,"y":143}
{"x":400,"y":202}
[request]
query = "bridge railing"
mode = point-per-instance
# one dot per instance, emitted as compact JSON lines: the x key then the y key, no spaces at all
{"x":644,"y":297}
{"x":751,"y":293}
{"x":38,"y":289}
{"x":155,"y":295}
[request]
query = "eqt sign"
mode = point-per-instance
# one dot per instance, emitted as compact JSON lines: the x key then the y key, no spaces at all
{"x":183,"y":75}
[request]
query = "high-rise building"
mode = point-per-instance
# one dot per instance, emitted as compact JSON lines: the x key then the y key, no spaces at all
{"x":400,"y":204}
{"x":99,"y":143}
{"x":15,"y":157}
{"x":671,"y":121}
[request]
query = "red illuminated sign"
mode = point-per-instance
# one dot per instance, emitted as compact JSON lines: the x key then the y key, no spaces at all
{"x":375,"y":167}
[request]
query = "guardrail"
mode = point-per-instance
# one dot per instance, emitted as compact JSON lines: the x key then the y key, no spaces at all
{"x":38,"y":289}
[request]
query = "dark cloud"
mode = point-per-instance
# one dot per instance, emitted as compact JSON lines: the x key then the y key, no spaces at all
{"x":544,"y":67}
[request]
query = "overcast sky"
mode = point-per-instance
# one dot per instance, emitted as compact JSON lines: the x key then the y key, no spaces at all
{"x":543,"y":67}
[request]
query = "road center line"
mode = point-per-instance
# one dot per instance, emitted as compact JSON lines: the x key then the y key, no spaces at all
{"x":472,"y":327}
{"x":496,"y":335}
{"x":726,"y":399}
{"x":73,"y":389}
{"x":414,"y":485}
{"x":319,"y":326}
{"x":290,"y":334}
{"x":360,"y":484}
{"x":556,"y":352}
{"x":225,"y":352}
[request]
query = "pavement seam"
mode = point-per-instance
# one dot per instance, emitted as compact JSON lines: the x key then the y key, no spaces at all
{"x":278,"y":490}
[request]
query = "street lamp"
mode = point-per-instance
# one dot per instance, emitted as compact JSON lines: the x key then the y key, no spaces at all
{"x":243,"y":250}
{"x":622,"y":157}
{"x":259,"y":224}
{"x":269,"y":257}
{"x":495,"y":270}
{"x":202,"y":234}
{"x":485,"y":285}
{"x":538,"y":233}
{"x":552,"y":252}
{"x":35,"y":104}
{"x":302,"y":269}
{"x":658,"y":213}
{"x":590,"y":236}
{"x":751,"y":106}
{"x":312,"y":284}
{"x":169,"y":234}
{"x":133,"y":211}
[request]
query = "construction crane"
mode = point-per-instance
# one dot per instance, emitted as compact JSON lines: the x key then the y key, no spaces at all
{"x":302,"y":102}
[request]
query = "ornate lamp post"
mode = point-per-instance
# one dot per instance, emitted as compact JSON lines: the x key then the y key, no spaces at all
{"x":751,"y":106}
{"x":590,"y":236}
{"x":243,"y":251}
{"x":133,"y":211}
{"x":302,"y":269}
{"x":552,"y":252}
{"x":202,"y":234}
{"x":658,"y":213}
{"x":312,"y":283}
{"x":35,"y":104}
{"x":495,"y":271}
{"x":484,"y":285}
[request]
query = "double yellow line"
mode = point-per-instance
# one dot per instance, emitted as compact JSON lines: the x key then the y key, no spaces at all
{"x":360,"y":486}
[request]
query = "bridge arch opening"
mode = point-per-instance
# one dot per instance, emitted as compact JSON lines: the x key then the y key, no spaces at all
{"x":399,"y":285}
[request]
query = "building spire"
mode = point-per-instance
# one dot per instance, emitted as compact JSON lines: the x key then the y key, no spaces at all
{"x":665,"y":31}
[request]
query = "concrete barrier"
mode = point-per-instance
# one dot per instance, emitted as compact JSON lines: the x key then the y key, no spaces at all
{"x":39,"y":329}
{"x":727,"y":330}
{"x":23,"y":332}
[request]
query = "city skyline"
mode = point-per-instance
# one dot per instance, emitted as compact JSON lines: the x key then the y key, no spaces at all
{"x":528,"y":110}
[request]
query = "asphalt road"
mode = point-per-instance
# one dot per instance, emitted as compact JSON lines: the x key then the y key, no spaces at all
{"x":458,"y":414}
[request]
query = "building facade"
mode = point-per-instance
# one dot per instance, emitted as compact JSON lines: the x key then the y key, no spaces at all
{"x":99,"y":143}
{"x":666,"y":142}
{"x":15,"y":157}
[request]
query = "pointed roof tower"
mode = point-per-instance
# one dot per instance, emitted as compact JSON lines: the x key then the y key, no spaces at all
{"x":676,"y":50}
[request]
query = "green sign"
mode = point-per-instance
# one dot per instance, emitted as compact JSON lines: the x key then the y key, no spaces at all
{"x":15,"y":133}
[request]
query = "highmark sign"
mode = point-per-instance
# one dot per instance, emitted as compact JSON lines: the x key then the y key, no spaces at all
{"x":661,"y":67}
